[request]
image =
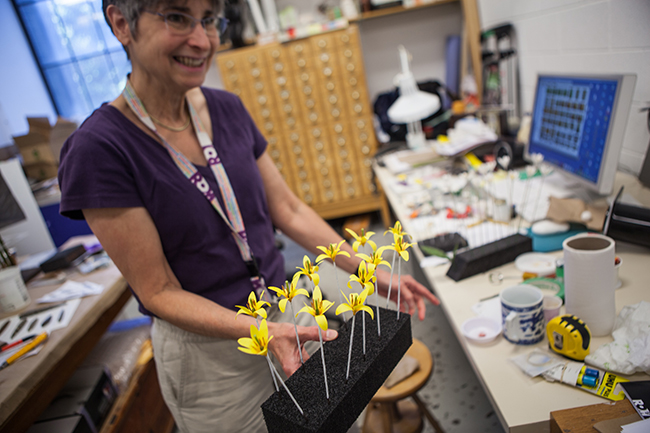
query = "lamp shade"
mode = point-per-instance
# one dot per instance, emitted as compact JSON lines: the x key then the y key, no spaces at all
{"x":413,"y":107}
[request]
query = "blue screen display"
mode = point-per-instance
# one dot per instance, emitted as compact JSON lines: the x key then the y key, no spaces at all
{"x":571,"y":120}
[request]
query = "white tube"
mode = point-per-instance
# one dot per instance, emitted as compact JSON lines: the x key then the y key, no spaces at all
{"x":257,"y":16}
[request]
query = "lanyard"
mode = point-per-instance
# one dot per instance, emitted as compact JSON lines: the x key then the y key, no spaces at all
{"x":233,"y":219}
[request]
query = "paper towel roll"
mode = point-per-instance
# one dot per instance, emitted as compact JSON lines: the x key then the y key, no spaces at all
{"x":589,"y":281}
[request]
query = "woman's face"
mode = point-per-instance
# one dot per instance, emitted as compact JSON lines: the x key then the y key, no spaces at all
{"x":169,"y":56}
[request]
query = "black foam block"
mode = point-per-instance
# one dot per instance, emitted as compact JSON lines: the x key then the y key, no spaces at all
{"x":349,"y":397}
{"x":488,"y":256}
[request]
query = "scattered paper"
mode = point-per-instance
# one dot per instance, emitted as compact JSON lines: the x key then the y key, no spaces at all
{"x":59,"y":317}
{"x":72,"y":290}
{"x":490,"y":308}
{"x":433,"y":261}
{"x":637,"y":427}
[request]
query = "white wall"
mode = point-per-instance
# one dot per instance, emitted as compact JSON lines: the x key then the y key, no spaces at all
{"x":583,"y":36}
{"x":423,"y":32}
{"x":22,"y":91}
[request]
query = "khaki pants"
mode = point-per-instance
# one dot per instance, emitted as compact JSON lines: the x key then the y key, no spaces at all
{"x":208,"y":384}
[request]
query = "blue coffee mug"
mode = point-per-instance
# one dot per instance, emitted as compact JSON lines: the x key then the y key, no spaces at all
{"x":522,"y":313}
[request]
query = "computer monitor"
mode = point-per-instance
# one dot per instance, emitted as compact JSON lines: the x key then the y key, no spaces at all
{"x":578,"y":124}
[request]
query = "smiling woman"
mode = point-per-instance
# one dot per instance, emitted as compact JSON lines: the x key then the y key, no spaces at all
{"x":175,"y":182}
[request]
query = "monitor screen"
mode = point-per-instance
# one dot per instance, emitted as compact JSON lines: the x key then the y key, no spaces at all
{"x":10,"y":211}
{"x":573,"y":122}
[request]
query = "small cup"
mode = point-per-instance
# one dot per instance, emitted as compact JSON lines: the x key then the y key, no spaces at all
{"x":551,"y":305}
{"x":13,"y":293}
{"x":522,"y":314}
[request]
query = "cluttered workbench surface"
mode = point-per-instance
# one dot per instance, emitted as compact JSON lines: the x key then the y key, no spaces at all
{"x":420,"y":198}
{"x":28,"y":385}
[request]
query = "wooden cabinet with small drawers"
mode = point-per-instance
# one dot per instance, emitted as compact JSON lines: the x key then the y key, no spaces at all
{"x":309,"y":99}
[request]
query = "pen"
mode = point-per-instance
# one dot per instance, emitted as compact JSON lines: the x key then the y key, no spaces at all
{"x":31,"y":345}
{"x":16,"y":343}
{"x":40,"y":310}
{"x":31,"y":325}
{"x":18,"y":328}
{"x":46,"y":321}
{"x":61,"y":315}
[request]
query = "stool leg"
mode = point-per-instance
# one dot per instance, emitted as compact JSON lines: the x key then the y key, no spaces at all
{"x":426,"y":412}
{"x":387,"y":416}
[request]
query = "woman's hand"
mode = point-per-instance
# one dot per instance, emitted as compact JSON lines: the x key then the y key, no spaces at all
{"x":284,"y":345}
{"x":412,"y":293}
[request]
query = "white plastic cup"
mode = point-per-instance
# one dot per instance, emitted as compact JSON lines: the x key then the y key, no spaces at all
{"x":13,"y":293}
{"x":589,"y":281}
{"x":551,"y":305}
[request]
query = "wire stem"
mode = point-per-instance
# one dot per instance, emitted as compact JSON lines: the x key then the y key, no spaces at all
{"x":390,"y":283}
{"x":285,"y":386}
{"x":296,"y":329}
{"x":347,"y":375}
{"x":322,"y":354}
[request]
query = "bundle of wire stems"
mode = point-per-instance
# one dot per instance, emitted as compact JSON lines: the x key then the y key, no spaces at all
{"x":6,"y":258}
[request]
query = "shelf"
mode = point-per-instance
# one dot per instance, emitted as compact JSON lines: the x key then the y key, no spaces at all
{"x":396,"y":10}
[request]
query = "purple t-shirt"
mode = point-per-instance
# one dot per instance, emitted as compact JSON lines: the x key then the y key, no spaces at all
{"x":110,"y":162}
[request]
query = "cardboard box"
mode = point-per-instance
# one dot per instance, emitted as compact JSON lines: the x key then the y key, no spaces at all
{"x":43,"y":142}
{"x":42,"y":170}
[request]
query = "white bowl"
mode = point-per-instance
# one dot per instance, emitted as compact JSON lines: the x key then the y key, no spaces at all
{"x":481,"y":330}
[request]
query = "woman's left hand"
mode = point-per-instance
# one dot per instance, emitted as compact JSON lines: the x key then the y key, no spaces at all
{"x":284,"y":345}
{"x":411,"y":292}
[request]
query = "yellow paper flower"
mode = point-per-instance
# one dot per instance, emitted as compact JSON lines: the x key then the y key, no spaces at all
{"x":331,"y":252}
{"x":317,"y":308}
{"x":253,"y":307}
{"x":400,"y":246}
{"x":355,"y":303}
{"x":362,"y":240}
{"x":288,"y":292}
{"x":258,"y":344}
{"x":396,"y":230}
{"x":310,"y":270}
{"x":365,"y":276}
{"x":375,"y":258}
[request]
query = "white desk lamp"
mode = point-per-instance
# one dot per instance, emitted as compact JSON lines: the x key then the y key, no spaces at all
{"x":413,"y":104}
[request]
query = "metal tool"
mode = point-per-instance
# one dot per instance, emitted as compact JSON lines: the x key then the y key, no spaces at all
{"x":18,"y":328}
{"x":4,"y":326}
{"x":40,"y":310}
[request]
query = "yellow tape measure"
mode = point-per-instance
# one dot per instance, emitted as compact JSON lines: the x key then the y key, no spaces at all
{"x":569,"y":336}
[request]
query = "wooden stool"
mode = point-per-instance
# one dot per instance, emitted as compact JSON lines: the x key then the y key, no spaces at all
{"x":390,"y":412}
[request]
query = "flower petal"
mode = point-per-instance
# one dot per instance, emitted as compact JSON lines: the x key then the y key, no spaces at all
{"x":317,"y":295}
{"x":321,"y":257}
{"x":245,"y":341}
{"x":352,"y":233}
{"x":372,"y":244}
{"x":405,"y":255}
{"x":326,"y":305}
{"x":306,"y":309}
{"x":343,"y":308}
{"x":368,"y":310}
{"x":316,"y":279}
{"x":283,"y":304}
{"x":321,"y":321}
{"x":301,"y":292}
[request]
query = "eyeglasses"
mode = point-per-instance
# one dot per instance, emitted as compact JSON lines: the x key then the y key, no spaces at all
{"x":183,"y":24}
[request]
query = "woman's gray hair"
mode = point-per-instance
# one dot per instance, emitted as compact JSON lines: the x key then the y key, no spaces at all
{"x":132,"y":9}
